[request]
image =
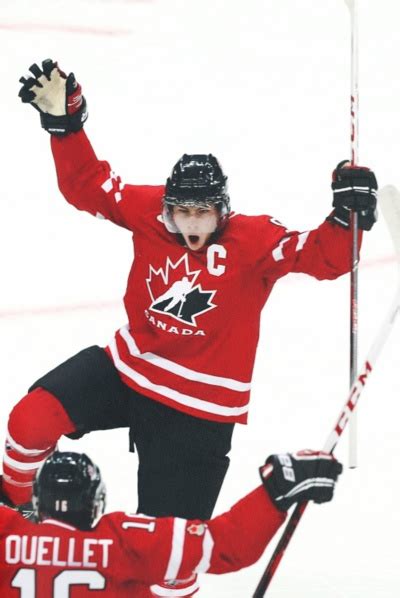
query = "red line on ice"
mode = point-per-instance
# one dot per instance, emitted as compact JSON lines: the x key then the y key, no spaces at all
{"x":32,"y":27}
{"x":96,"y":305}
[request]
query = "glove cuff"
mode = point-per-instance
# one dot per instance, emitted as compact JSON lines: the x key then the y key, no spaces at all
{"x":67,"y":123}
{"x":269,"y":483}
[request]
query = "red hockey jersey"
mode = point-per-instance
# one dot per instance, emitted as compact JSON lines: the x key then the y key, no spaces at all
{"x":193,"y":316}
{"x":124,"y":554}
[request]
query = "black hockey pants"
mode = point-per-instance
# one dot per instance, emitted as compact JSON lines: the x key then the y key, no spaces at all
{"x":182,"y":459}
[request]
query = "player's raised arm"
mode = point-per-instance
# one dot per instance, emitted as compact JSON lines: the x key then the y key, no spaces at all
{"x":325,"y":252}
{"x":86,"y":182}
{"x":237,"y":538}
{"x":242,"y":534}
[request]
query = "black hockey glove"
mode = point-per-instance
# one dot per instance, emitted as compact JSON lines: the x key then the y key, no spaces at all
{"x":56,"y":96}
{"x":354,"y":188}
{"x":298,"y":477}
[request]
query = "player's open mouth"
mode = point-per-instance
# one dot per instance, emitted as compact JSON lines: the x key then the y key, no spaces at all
{"x":194,"y":239}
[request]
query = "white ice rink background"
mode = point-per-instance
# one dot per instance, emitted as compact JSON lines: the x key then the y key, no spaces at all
{"x":264,"y":85}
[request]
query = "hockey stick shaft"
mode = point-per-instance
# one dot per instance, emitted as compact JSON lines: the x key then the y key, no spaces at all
{"x":389,"y":200}
{"x":352,"y":6}
{"x":353,"y":9}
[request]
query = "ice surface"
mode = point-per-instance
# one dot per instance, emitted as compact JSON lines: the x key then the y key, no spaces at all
{"x":265,"y":87}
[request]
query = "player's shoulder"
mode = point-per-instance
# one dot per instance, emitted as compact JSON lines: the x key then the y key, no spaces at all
{"x":9,"y":519}
{"x":125,"y":524}
{"x":147,"y":195}
{"x":121,"y":517}
{"x":141,"y":203}
{"x":115,"y":521}
{"x":8,"y":513}
{"x":253,"y":220}
{"x":256,"y":226}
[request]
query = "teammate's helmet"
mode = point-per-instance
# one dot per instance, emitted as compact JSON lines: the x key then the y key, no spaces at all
{"x":196,"y":180}
{"x":68,"y":487}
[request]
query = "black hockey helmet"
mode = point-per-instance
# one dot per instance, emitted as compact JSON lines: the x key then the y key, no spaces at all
{"x":68,"y":487}
{"x":196,"y":180}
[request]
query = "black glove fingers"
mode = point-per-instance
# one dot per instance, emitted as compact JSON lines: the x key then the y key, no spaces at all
{"x":365,"y":202}
{"x":26,"y":92}
{"x":71,"y":84}
{"x":324,"y":495}
{"x":48,"y":65}
{"x":366,"y":222}
{"x":342,"y":163}
{"x":366,"y":181}
{"x":344,"y":200}
{"x":30,"y":82}
{"x":355,"y":200}
{"x":355,"y":177}
{"x":26,"y":95}
{"x":338,"y":469}
{"x":329,"y":468}
{"x":36,"y":71}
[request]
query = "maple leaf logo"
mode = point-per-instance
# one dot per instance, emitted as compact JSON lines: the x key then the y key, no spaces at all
{"x":174,"y":293}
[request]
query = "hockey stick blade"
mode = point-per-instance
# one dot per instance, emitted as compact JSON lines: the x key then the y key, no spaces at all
{"x":389,"y":202}
{"x":350,"y":5}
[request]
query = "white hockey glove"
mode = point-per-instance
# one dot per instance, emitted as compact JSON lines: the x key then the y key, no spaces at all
{"x":56,"y":96}
{"x":299,"y":477}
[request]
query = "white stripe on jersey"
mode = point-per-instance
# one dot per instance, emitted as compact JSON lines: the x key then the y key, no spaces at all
{"x":178,"y":541}
{"x":164,"y":592}
{"x":170,"y":393}
{"x":14,"y":483}
{"x":181,"y":370}
{"x":59,"y":524}
{"x":21,"y":449}
{"x":107,"y":185}
{"x":18,"y":466}
{"x":277,"y":253}
{"x":302,"y":239}
{"x":208,"y":545}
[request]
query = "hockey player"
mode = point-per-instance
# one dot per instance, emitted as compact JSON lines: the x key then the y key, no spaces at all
{"x":178,"y":375}
{"x":128,"y":555}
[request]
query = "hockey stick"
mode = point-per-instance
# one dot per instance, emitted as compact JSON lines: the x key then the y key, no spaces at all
{"x":389,"y":201}
{"x":352,"y":6}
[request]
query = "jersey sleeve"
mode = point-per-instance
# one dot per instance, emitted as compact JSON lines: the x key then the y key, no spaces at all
{"x":324,"y":253}
{"x":241,"y":535}
{"x":91,"y":185}
{"x":167,"y":549}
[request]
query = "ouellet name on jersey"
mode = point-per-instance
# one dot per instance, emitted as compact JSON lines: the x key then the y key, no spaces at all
{"x":57,"y":552}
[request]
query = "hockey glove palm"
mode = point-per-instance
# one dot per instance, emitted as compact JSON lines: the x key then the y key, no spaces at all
{"x":298,"y":477}
{"x":354,"y":188}
{"x":56,"y":96}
